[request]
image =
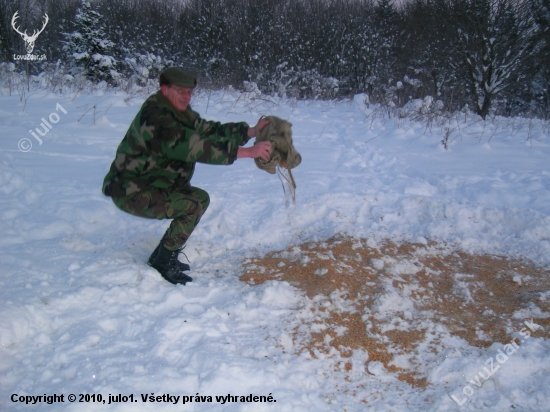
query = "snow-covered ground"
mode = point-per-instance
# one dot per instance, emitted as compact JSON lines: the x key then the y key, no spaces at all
{"x":81,"y":312}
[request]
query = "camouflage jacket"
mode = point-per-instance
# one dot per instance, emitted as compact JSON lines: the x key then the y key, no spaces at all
{"x":162,"y":145}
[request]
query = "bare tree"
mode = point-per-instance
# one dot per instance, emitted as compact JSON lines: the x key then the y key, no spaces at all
{"x":494,"y":42}
{"x":539,"y":69}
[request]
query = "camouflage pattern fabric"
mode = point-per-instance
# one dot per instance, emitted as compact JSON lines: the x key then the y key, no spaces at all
{"x":150,"y":176}
{"x":162,"y":145}
{"x":185,"y":207}
{"x":279,"y":133}
{"x":283,"y":155}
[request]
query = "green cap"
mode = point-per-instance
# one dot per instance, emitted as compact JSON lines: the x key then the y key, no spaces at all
{"x":176,"y":76}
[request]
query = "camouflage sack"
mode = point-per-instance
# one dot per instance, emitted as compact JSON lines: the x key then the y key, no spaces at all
{"x":278,"y":132}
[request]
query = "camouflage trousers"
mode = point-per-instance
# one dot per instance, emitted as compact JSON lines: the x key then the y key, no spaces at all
{"x":185,"y":207}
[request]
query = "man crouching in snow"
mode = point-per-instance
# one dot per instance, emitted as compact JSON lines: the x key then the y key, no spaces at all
{"x":151,"y":174}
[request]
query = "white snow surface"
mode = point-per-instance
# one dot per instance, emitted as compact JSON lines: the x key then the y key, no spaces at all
{"x":82,"y":313}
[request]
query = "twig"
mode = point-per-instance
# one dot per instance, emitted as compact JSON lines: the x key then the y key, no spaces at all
{"x":378,"y":135}
{"x":84,"y":114}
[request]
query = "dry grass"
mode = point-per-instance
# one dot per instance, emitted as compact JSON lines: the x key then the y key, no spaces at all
{"x":474,"y":297}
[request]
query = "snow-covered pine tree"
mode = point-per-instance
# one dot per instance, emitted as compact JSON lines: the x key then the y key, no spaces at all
{"x":88,"y":46}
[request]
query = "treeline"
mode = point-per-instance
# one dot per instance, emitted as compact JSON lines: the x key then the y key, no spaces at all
{"x":491,"y":56}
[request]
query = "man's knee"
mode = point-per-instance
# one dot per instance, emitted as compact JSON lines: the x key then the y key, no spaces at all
{"x":202,"y":196}
{"x":137,"y":205}
{"x":205,"y":202}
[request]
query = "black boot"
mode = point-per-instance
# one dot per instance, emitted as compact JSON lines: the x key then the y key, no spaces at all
{"x":183,"y":266}
{"x":167,"y":263}
{"x":154,"y":255}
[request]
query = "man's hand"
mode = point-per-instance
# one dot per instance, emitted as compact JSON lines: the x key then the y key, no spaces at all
{"x":261,"y":150}
{"x":253,"y":131}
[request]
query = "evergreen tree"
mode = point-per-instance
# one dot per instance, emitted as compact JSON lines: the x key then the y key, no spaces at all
{"x":88,"y":46}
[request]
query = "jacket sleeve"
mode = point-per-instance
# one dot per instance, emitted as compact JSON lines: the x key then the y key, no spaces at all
{"x":218,"y":142}
{"x":206,"y":142}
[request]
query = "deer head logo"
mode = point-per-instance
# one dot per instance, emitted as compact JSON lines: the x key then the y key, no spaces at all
{"x":29,"y":40}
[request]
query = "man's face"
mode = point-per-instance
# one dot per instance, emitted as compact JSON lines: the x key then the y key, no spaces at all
{"x":178,"y":96}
